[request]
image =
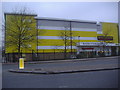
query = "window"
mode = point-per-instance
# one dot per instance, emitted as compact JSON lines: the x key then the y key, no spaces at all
{"x":99,"y":29}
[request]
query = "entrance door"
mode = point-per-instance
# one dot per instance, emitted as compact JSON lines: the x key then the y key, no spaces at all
{"x":87,"y":54}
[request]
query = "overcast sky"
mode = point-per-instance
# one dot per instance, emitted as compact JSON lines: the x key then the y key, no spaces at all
{"x":92,"y":11}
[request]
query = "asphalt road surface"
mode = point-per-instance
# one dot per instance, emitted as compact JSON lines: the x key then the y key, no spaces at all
{"x":97,"y":79}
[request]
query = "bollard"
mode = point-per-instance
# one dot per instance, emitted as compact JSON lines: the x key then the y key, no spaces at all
{"x":21,"y":63}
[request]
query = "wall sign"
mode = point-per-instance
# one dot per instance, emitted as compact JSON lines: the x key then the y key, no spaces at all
{"x":106,"y":38}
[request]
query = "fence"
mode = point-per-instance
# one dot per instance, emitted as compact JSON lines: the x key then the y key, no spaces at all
{"x":34,"y":56}
{"x":43,"y":56}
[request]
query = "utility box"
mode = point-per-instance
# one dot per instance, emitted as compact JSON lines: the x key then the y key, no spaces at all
{"x":21,"y":63}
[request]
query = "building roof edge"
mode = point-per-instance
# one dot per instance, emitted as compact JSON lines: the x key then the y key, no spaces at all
{"x":67,"y":20}
{"x":7,"y":13}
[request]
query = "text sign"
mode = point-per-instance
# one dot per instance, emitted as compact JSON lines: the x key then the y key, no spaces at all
{"x":107,"y":38}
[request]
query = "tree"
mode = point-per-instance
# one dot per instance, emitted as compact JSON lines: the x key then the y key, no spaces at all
{"x":65,"y":35}
{"x":105,"y":41}
{"x":20,"y":29}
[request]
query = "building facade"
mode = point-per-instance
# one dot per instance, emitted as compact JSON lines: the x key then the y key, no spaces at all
{"x":62,"y":39}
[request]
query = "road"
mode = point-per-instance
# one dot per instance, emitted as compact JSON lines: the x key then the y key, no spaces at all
{"x":97,"y":79}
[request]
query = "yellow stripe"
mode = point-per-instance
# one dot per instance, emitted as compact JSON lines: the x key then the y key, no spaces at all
{"x":45,"y":32}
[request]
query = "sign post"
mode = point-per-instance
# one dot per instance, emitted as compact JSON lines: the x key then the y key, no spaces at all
{"x":21,"y":63}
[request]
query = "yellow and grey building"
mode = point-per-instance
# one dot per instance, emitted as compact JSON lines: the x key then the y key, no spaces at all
{"x":84,"y":37}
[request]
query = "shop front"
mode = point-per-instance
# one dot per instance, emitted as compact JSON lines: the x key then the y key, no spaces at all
{"x":98,"y":49}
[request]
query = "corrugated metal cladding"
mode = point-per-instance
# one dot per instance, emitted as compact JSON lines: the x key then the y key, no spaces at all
{"x":51,"y":30}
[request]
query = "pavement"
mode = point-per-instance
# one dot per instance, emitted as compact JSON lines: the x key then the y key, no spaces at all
{"x":67,"y":69}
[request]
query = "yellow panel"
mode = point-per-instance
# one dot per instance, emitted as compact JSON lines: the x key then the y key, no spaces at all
{"x":45,"y":32}
{"x":84,"y":33}
{"x":52,"y":42}
{"x":111,"y":29}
